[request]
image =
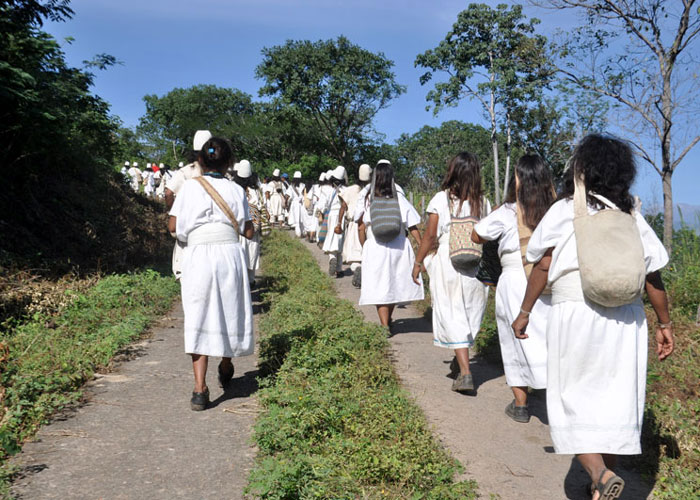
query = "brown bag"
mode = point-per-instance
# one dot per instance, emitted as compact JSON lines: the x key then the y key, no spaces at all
{"x":524,"y":233}
{"x":220,"y":202}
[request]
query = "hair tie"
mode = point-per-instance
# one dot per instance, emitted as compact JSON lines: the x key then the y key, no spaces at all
{"x":211,"y":151}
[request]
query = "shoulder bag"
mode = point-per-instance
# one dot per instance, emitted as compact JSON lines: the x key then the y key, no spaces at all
{"x":385,"y":214}
{"x":464,"y":253}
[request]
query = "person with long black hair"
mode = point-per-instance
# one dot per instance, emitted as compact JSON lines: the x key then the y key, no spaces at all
{"x":386,"y":267}
{"x":530,"y":194}
{"x":458,"y":298}
{"x":215,"y":290}
{"x":596,"y":354}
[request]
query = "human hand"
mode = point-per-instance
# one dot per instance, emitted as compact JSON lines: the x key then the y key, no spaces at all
{"x":338,"y":229}
{"x":519,"y":326}
{"x":664,"y":341}
{"x":416,"y":273}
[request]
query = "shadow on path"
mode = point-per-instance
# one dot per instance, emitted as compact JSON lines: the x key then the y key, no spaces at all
{"x":239,"y":387}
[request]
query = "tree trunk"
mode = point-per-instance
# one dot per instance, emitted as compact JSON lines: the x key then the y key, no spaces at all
{"x":668,"y":209}
{"x":508,"y":143}
{"x":494,"y":146}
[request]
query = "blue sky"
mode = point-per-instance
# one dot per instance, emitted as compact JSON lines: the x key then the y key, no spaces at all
{"x":177,"y":43}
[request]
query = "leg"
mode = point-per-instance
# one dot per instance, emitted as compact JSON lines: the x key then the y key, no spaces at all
{"x":391,"y":311}
{"x":595,"y":465}
{"x":199,"y":366}
{"x":520,"y":394}
{"x":463,"y":360}
{"x":384,"y":314}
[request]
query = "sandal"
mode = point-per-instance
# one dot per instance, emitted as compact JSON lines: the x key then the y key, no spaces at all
{"x":225,"y":378}
{"x":199,"y":400}
{"x":611,"y":489}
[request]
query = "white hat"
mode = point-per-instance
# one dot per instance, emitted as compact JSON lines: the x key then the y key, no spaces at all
{"x":161,"y":165}
{"x":383,"y":161}
{"x":244,"y":169}
{"x":126,"y":163}
{"x":365,"y":172}
{"x":148,"y":165}
{"x":339,"y":172}
{"x":235,"y":167}
{"x":200,"y":137}
{"x":322,"y":177}
{"x":329,"y":174}
{"x":276,"y":172}
{"x":181,"y":164}
{"x":297,"y":175}
{"x":136,"y":164}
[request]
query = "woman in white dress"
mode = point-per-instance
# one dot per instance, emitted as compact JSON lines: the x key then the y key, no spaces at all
{"x":215,"y":291}
{"x":458,"y":298}
{"x":530,"y":195}
{"x":597,"y":356}
{"x":244,"y":177}
{"x":296,"y":204}
{"x":352,"y":248}
{"x":386,"y":267}
{"x":333,"y":244}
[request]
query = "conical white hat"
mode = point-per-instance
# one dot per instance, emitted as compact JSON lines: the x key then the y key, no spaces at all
{"x":339,"y":172}
{"x":200,"y":137}
{"x":322,"y":177}
{"x":365,"y":172}
{"x":136,"y":164}
{"x":161,"y":165}
{"x":181,"y":164}
{"x":235,"y":166}
{"x":383,"y":161}
{"x":244,"y":169}
{"x":126,"y":163}
{"x":276,"y":172}
{"x":297,"y":175}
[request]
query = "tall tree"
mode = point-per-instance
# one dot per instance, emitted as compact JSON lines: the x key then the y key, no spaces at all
{"x":490,"y":55}
{"x":652,"y":74}
{"x":340,"y":84}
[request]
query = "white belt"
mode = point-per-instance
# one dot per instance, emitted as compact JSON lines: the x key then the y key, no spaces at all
{"x":512,"y":261}
{"x":568,"y":288}
{"x":212,"y":233}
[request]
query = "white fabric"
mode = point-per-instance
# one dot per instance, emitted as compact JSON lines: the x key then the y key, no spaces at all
{"x":252,"y":246}
{"x":458,"y":300}
{"x":135,"y":175}
{"x":352,"y":249}
{"x":387,"y":267}
{"x":524,"y":361}
{"x":334,"y":242}
{"x":597,"y":356}
{"x":362,"y":199}
{"x":215,"y":287}
{"x":184,"y":174}
{"x":149,"y":183}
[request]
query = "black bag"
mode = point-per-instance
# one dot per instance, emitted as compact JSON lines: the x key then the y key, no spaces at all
{"x":490,"y":264}
{"x":385,"y":214}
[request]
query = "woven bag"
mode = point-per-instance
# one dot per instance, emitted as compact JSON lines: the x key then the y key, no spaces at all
{"x":323,"y":228}
{"x":385,"y":213}
{"x":464,"y":253}
{"x":610,"y":251}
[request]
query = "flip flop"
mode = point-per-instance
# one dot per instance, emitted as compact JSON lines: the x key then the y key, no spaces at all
{"x":611,"y":489}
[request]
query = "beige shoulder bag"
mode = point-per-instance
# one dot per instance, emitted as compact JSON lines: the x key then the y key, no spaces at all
{"x":220,"y":202}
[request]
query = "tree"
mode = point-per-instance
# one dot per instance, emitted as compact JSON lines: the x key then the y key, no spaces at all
{"x":653,"y":77}
{"x":341,"y":85}
{"x":490,"y":55}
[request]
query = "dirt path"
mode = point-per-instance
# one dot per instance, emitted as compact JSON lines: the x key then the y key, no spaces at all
{"x":509,"y":460}
{"x":136,"y":436}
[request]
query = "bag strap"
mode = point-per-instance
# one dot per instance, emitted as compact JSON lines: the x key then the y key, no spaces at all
{"x":219,"y":201}
{"x":524,"y":234}
{"x":580,"y":205}
{"x":371,"y":189}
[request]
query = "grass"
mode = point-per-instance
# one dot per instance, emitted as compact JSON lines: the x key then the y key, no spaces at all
{"x":336,"y":423}
{"x":45,"y":360}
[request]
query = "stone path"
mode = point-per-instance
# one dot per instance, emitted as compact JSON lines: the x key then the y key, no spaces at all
{"x":136,"y":436}
{"x":509,"y":460}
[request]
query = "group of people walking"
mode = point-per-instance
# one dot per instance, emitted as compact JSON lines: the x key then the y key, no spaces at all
{"x":151,"y":180}
{"x":557,"y":330}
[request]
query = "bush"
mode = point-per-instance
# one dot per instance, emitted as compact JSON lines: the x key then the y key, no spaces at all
{"x":337,"y":423}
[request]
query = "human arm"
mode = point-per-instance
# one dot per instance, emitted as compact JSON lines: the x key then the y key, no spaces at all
{"x":172,"y":224}
{"x":248,"y":230}
{"x":426,"y":244}
{"x":659,"y":301}
{"x":341,"y":216}
{"x":362,"y":231}
{"x":169,"y":198}
{"x":535,"y":286}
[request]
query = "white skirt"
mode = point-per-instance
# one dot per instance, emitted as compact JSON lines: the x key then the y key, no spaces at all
{"x":252,"y":250}
{"x":386,"y":272}
{"x":596,"y":377}
{"x":276,"y":208}
{"x":458,"y":300}
{"x":333,"y":242}
{"x":216,"y":298}
{"x":352,"y":249}
{"x":524,"y":361}
{"x":310,"y":221}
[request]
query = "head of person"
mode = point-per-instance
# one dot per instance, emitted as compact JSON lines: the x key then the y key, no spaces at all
{"x":243,"y":175}
{"x":216,"y":155}
{"x":276,"y":174}
{"x":463,"y":181}
{"x":364,"y":175}
{"x":532,"y":188}
{"x":200,"y":138}
{"x":383,"y":179}
{"x":339,"y":176}
{"x":608,"y":168}
{"x":296,"y":178}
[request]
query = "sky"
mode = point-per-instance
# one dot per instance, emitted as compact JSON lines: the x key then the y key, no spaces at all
{"x":165,"y":44}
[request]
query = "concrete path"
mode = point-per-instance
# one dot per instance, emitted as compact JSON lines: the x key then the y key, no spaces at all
{"x":509,"y":460}
{"x":135,"y":437}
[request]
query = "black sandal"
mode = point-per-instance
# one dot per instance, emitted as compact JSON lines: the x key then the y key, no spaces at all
{"x":611,"y":489}
{"x":225,"y":378}
{"x":199,"y":400}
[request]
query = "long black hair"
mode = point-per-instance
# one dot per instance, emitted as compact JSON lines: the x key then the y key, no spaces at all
{"x":609,"y":169}
{"x":246,"y":182}
{"x":384,"y":178}
{"x":463,"y":181}
{"x":535,"y":192}
{"x":216,"y":154}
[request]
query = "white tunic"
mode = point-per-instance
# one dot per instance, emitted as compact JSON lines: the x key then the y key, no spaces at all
{"x":387,"y":267}
{"x":597,"y":356}
{"x":333,"y":242}
{"x":215,"y":290}
{"x":352,"y":249}
{"x":252,"y":246}
{"x":149,"y":184}
{"x":296,"y":206}
{"x":310,"y":219}
{"x":524,"y":361}
{"x":458,"y":300}
{"x":174,"y":183}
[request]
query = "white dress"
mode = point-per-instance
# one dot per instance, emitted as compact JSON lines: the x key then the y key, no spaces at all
{"x":597,"y":356}
{"x":296,"y":207}
{"x":387,"y":267}
{"x":458,"y":300}
{"x":310,"y":220}
{"x":215,"y":290}
{"x":276,"y":205}
{"x":174,"y":183}
{"x":252,"y":246}
{"x":333,"y":242}
{"x":149,"y":184}
{"x":524,"y":361}
{"x":352,"y":249}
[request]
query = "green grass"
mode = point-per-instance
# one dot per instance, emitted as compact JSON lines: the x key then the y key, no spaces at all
{"x":336,"y":423}
{"x":45,"y":361}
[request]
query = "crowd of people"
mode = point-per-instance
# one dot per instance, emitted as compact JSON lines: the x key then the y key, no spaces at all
{"x":557,"y":330}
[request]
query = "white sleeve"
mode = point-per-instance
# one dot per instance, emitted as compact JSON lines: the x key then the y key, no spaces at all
{"x":409,"y":213}
{"x":550,"y":230}
{"x":493,"y":225}
{"x":655,"y":255}
{"x":176,"y":182}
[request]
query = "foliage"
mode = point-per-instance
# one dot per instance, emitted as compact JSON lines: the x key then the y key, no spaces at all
{"x":336,"y":422}
{"x":45,"y":361}
{"x":340,"y":84}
